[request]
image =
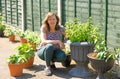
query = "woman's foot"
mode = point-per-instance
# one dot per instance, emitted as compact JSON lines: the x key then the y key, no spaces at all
{"x":48,"y":72}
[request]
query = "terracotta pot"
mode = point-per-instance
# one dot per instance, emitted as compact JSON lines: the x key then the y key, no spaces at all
{"x":12,"y":38}
{"x":29,"y":63}
{"x":15,"y":69}
{"x":100,"y":66}
{"x":23,"y":40}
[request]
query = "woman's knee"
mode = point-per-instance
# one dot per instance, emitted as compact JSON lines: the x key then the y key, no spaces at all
{"x":62,"y":57}
{"x":45,"y":50}
{"x":40,"y":54}
{"x":49,"y":47}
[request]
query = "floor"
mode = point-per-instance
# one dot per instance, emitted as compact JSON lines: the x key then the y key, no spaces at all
{"x":37,"y":70}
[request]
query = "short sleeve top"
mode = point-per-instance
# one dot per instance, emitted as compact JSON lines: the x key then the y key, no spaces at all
{"x":57,"y":35}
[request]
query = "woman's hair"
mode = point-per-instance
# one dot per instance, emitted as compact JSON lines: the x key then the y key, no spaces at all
{"x":45,"y":21}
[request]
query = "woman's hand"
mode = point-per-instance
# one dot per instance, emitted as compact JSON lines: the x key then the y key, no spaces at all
{"x":42,"y":43}
{"x":61,"y":44}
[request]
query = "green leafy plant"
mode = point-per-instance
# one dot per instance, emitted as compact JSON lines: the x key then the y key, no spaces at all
{"x":105,"y":53}
{"x":108,"y":54}
{"x":26,"y":50}
{"x":2,"y":27}
{"x":1,"y":20}
{"x":21,"y":34}
{"x":9,"y":31}
{"x":32,"y":37}
{"x":77,"y":31}
{"x":16,"y":59}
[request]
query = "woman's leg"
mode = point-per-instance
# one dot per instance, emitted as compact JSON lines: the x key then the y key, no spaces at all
{"x":40,"y":53}
{"x":59,"y":56}
{"x":46,"y":53}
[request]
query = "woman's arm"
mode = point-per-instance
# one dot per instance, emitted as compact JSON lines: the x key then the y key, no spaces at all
{"x":45,"y":41}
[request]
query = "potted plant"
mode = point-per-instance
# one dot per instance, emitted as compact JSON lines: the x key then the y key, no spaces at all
{"x":2,"y":27}
{"x":102,"y":60}
{"x":15,"y":64}
{"x":32,"y":38}
{"x":22,"y":36}
{"x":10,"y":32}
{"x":28,"y":52}
{"x":83,"y":37}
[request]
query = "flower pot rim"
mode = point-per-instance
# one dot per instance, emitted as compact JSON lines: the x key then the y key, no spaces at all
{"x":15,"y":63}
{"x":91,"y":57}
{"x":81,"y":43}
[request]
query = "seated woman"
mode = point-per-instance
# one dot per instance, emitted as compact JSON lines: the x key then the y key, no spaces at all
{"x":51,"y":46}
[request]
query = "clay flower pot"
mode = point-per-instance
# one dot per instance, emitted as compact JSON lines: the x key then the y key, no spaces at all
{"x":12,"y":38}
{"x":100,"y":66}
{"x":23,"y":40}
{"x":29,"y":63}
{"x":15,"y":69}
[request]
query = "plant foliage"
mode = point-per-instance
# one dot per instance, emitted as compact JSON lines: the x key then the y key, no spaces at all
{"x":2,"y":27}
{"x":106,"y":54}
{"x":16,"y":59}
{"x":32,"y":37}
{"x":77,"y":31}
{"x":26,"y":50}
{"x":9,"y":31}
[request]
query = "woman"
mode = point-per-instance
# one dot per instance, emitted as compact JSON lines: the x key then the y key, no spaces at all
{"x":51,"y":45}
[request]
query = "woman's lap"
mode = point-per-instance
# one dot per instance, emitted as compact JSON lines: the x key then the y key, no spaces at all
{"x":58,"y":55}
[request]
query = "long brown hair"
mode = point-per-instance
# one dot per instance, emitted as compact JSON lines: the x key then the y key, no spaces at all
{"x":45,"y":21}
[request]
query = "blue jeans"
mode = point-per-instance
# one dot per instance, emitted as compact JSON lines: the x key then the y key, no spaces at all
{"x":50,"y":53}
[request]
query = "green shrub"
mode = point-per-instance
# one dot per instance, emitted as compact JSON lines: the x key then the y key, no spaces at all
{"x":16,"y":59}
{"x":26,"y":50}
{"x":77,"y":31}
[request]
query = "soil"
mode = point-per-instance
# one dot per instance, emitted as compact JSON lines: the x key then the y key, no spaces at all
{"x":92,"y":55}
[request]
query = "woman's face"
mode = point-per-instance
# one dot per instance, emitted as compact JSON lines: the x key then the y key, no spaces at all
{"x":52,"y":21}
